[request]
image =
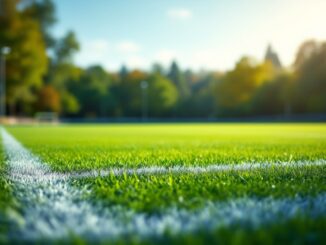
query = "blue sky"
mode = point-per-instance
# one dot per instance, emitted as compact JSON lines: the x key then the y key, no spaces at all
{"x":206,"y":34}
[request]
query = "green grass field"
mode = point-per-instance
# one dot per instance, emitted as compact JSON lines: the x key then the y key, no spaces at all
{"x":68,"y":148}
{"x":71,"y":148}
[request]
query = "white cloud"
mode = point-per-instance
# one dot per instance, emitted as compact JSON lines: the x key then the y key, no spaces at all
{"x":165,"y":56}
{"x":93,"y":52}
{"x":128,"y":47}
{"x":208,"y":59}
{"x":110,"y":55}
{"x":179,"y":13}
{"x":113,"y":55}
{"x":136,"y":62}
{"x":99,"y":45}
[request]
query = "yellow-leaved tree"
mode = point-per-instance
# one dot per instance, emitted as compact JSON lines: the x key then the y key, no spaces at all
{"x":237,"y":86}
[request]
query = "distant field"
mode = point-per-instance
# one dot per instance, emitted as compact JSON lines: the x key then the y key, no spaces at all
{"x":72,"y":147}
{"x":248,"y":205}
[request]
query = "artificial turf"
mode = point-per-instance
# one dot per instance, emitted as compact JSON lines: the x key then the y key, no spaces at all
{"x":148,"y":193}
{"x":86,"y":147}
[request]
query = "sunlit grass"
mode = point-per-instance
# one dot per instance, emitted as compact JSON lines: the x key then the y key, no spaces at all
{"x":152,"y":193}
{"x":86,"y":147}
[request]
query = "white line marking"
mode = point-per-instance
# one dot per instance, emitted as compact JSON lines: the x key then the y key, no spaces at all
{"x":156,"y":170}
{"x":53,"y":209}
{"x":29,"y":172}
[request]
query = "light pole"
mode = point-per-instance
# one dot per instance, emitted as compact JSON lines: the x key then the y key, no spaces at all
{"x":144,"y":87}
{"x":4,"y":52}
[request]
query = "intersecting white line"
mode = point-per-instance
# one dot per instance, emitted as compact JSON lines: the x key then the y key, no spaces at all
{"x":53,"y":209}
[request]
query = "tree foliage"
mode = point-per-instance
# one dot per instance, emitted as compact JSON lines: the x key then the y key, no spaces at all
{"x":92,"y":91}
{"x":163,"y":95}
{"x":44,"y":13}
{"x":310,"y":71}
{"x":238,"y":86}
{"x":177,"y":77}
{"x":48,"y":99}
{"x":42,"y":76}
{"x":27,"y":61}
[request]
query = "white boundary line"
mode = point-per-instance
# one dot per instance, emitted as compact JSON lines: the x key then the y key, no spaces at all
{"x":53,"y":209}
{"x":28,"y":171}
{"x":157,"y":170}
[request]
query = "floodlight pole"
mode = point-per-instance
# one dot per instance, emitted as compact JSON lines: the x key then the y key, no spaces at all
{"x":144,"y":87}
{"x":4,"y":51}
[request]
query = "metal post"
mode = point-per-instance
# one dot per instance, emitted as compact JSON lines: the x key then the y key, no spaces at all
{"x":4,"y":52}
{"x":144,"y":86}
{"x":3,"y":86}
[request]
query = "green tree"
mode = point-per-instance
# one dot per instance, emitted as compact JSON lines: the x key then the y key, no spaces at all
{"x":63,"y":74}
{"x":129,"y":95}
{"x":177,"y":77}
{"x":27,"y":61}
{"x":310,"y":82}
{"x":271,"y":56}
{"x":304,"y":53}
{"x":63,"y":77}
{"x":162,"y":95}
{"x":65,"y":48}
{"x":202,"y":100}
{"x":274,"y":97}
{"x":92,"y":91}
{"x":43,"y":11}
{"x":238,"y":86}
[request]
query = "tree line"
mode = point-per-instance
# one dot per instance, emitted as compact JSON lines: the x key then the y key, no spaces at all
{"x":41,"y":76}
